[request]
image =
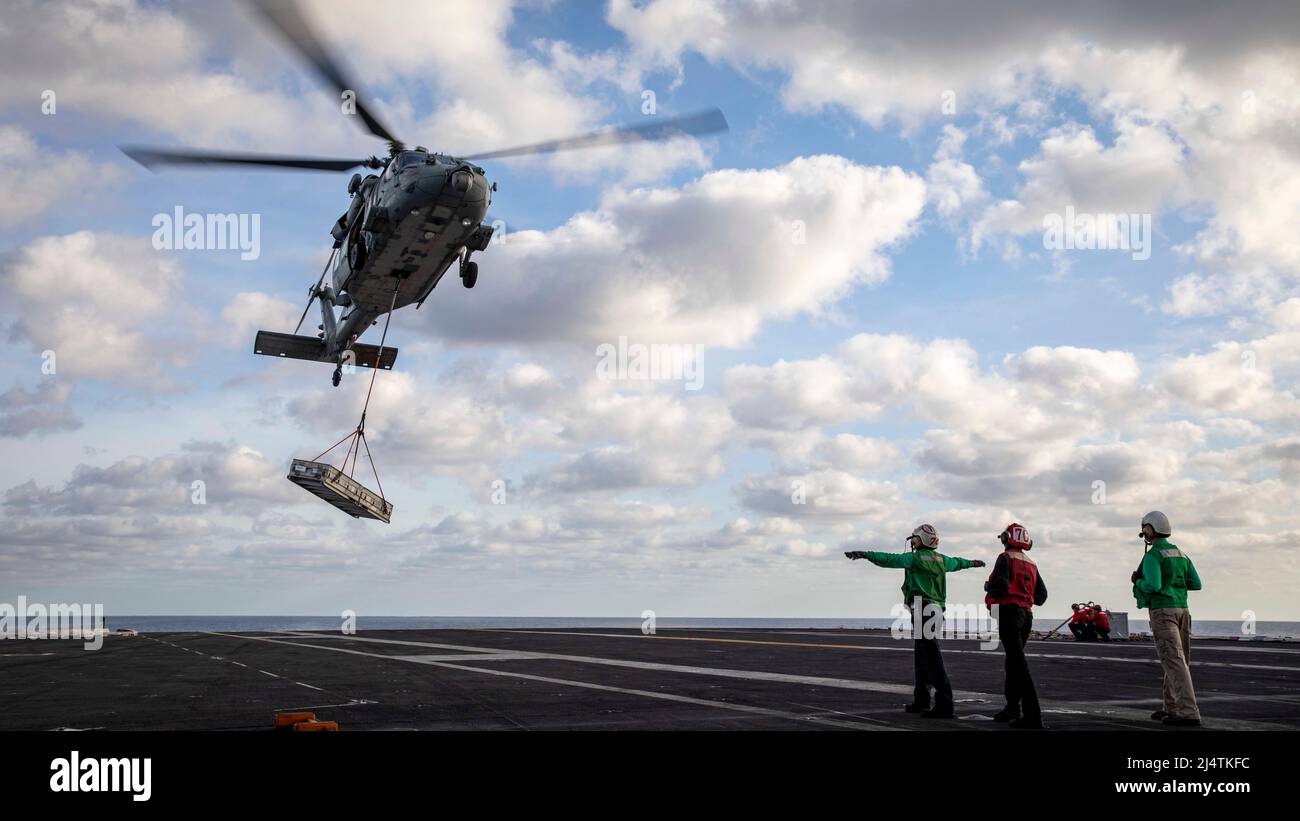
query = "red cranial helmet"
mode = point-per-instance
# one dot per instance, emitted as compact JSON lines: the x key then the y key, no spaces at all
{"x":1016,"y":535}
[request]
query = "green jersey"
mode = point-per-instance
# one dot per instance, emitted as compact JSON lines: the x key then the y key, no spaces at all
{"x":924,"y":573}
{"x":1166,"y":576}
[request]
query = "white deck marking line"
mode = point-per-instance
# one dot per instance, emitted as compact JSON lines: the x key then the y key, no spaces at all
{"x":1280,"y":647}
{"x":359,"y":702}
{"x":701,"y":702}
{"x":828,"y":711}
{"x":75,"y":729}
{"x":475,"y":657}
{"x":1214,"y":696}
{"x":1111,"y":713}
{"x":836,"y":645}
{"x":239,"y":664}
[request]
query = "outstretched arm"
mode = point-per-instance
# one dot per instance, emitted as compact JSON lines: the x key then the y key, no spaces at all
{"x":903,"y":560}
{"x":954,"y":563}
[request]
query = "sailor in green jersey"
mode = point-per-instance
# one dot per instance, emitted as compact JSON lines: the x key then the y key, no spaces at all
{"x":1161,"y":584}
{"x":925,"y":592}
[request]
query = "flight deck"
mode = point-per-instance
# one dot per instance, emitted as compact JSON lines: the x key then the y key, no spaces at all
{"x":611,"y":679}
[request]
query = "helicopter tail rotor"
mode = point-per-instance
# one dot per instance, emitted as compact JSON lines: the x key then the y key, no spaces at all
{"x":315,"y":289}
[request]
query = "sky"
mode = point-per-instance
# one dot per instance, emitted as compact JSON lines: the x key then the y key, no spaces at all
{"x":888,"y":333}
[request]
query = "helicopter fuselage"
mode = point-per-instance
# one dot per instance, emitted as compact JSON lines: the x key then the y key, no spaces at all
{"x":423,"y":214}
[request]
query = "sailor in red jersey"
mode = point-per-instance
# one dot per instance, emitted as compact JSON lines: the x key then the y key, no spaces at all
{"x":1076,"y":621}
{"x":1103,"y":624}
{"x":1082,"y":623}
{"x":1013,"y":588}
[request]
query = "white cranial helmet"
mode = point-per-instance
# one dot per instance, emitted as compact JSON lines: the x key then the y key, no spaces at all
{"x":928,"y":535}
{"x":1159,"y":523}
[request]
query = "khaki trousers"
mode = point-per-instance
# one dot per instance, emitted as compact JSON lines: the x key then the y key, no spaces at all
{"x":1172,"y":628}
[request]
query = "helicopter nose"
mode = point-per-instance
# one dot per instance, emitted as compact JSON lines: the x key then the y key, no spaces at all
{"x":462,"y":180}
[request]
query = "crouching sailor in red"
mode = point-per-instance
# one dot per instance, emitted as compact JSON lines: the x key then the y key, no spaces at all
{"x":1013,"y":588}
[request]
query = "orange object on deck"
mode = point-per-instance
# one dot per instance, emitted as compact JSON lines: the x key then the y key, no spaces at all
{"x":285,"y":721}
{"x":316,"y":727}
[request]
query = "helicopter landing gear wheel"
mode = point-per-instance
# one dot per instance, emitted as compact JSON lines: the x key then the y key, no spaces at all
{"x":469,"y":274}
{"x":338,"y":375}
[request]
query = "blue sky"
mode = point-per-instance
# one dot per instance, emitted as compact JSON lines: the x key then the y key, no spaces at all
{"x":922,"y":357}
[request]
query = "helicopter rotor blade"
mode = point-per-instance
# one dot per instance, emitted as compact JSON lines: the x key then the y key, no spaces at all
{"x":150,"y":157}
{"x":286,"y":18}
{"x":709,"y":121}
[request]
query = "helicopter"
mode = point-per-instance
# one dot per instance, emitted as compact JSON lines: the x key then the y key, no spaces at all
{"x":407,"y":224}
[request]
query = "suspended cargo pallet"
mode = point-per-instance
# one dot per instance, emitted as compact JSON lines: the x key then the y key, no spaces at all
{"x":336,"y":487}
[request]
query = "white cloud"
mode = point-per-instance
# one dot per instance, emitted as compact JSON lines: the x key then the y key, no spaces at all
{"x":796,"y":395}
{"x":856,"y":454}
{"x":248,"y":312}
{"x":236,"y":478}
{"x":1139,"y":174}
{"x":1080,"y":376}
{"x":415,"y":429}
{"x":160,"y":76}
{"x":1238,"y":378}
{"x":96,"y":301}
{"x":707,"y":263}
{"x":637,"y":440}
{"x":954,"y":185}
{"x":35,"y":179}
{"x":43,"y":409}
{"x":1202,"y":106}
{"x":824,"y":494}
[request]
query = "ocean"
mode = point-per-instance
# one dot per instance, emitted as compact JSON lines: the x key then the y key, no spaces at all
{"x":1270,"y":630}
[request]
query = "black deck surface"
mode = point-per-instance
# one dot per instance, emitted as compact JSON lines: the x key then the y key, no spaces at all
{"x":608,"y":679}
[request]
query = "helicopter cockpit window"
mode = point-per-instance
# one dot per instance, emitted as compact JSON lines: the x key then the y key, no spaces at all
{"x":410,"y":158}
